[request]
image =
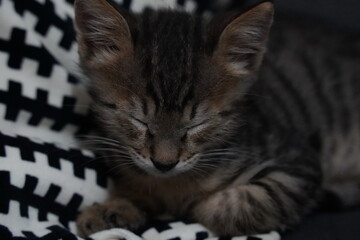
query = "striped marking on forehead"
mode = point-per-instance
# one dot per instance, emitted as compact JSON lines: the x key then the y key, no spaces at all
{"x":170,"y":47}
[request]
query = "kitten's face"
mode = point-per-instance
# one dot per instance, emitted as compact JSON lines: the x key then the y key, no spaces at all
{"x":159,"y":139}
{"x":162,"y":85}
{"x":163,"y":135}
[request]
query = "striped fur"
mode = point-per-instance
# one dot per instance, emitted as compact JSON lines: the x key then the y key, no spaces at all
{"x":195,"y":124}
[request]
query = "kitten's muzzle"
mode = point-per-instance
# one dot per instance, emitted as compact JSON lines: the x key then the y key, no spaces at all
{"x":164,"y":167}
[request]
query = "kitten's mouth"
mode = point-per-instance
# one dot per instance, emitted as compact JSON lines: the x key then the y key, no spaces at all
{"x":161,"y":170}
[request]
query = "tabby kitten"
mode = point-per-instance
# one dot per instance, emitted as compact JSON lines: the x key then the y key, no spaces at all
{"x":197,"y":124}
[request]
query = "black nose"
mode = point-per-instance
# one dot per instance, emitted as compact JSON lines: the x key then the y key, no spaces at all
{"x":164,"y":167}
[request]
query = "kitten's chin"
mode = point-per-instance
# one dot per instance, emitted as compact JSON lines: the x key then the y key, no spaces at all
{"x":150,"y":169}
{"x":154,"y":172}
{"x":158,"y":174}
{"x":147,"y":166}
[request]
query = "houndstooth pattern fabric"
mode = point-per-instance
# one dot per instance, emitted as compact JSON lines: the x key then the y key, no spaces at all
{"x":46,"y":177}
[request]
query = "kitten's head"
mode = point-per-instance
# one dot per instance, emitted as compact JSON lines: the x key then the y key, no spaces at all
{"x":166,"y":83}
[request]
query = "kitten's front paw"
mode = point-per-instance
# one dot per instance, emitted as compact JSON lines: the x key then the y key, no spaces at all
{"x":119,"y":213}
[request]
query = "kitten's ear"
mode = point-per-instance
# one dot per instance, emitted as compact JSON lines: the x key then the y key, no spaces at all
{"x":101,"y":29}
{"x":242,"y":43}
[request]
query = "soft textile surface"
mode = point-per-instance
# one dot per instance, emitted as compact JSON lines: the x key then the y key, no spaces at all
{"x":46,"y":179}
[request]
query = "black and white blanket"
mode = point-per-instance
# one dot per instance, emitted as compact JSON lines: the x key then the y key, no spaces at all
{"x":46,"y":178}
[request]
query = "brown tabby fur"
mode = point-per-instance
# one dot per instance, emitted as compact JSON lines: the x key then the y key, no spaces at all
{"x":195,"y":123}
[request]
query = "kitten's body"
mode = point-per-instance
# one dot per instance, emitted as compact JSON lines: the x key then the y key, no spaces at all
{"x":311,"y":77}
{"x":239,"y":148}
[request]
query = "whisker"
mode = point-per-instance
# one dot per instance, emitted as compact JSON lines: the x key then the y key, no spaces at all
{"x":198,"y":171}
{"x":98,"y":138}
{"x":219,"y":139}
{"x":222,"y":149}
{"x":123,"y":157}
{"x":123,"y":165}
{"x":226,"y":155}
{"x":111,"y":150}
{"x":221,"y":154}
{"x":111,"y":157}
{"x":217,"y":161}
{"x":209,"y":166}
{"x":236,"y":152}
{"x":95,"y":144}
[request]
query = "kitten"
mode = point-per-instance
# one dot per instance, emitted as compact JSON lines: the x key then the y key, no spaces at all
{"x":198,"y":123}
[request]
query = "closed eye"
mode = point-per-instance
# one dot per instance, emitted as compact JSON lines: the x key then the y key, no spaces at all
{"x":195,"y":129}
{"x":142,"y":126}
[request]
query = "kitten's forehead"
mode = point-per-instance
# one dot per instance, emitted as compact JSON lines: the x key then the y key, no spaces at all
{"x":169,"y":50}
{"x":147,"y":107}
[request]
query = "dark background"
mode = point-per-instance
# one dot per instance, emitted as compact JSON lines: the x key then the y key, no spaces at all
{"x":342,"y":14}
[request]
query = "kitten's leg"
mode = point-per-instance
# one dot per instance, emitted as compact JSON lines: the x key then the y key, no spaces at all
{"x":272,"y":199}
{"x":118,"y":212}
